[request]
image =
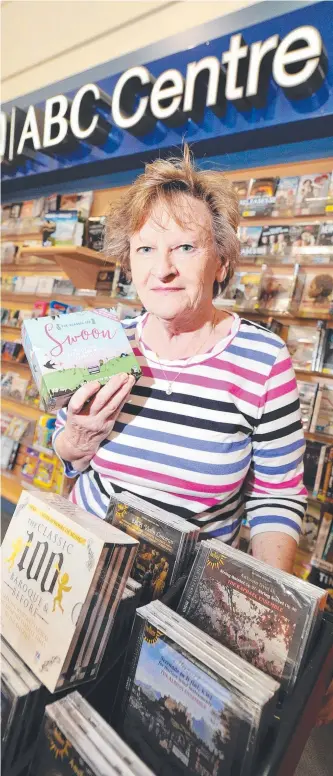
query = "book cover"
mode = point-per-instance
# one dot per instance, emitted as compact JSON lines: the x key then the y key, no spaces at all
{"x":260,"y":198}
{"x":302,"y":343}
{"x":285,"y":197}
{"x":60,"y":228}
{"x":317,"y":294}
{"x":325,"y":236}
{"x":55,"y":559}
{"x":276,"y":289}
{"x":123,"y":287}
{"x":95,"y":233}
{"x":327,"y":366}
{"x":307,"y":397}
{"x":81,"y":202}
{"x":275,"y":240}
{"x":174,"y":708}
{"x":310,"y":527}
{"x":242,"y":291}
{"x":324,"y":420}
{"x":66,"y":351}
{"x":312,"y":194}
{"x":259,"y":617}
{"x":159,"y":552}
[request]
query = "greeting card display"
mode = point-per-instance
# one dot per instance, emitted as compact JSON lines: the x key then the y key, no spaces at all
{"x":63,"y":574}
{"x":66,"y":351}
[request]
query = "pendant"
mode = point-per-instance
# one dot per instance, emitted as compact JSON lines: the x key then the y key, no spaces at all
{"x":169,"y":389}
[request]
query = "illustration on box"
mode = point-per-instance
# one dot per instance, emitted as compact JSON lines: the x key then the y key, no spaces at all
{"x":64,"y":352}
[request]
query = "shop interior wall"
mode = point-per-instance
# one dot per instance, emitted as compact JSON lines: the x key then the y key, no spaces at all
{"x":44,"y":41}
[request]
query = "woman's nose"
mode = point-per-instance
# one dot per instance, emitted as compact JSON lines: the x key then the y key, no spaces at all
{"x":163,"y":266}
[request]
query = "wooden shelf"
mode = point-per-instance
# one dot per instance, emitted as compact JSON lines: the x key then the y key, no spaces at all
{"x":17,"y":237}
{"x":89,"y":301}
{"x":11,"y":333}
{"x":286,"y":318}
{"x":32,"y":269}
{"x":80,"y":264}
{"x":328,"y":440}
{"x":312,"y":377}
{"x":11,"y":486}
{"x":17,"y":366}
{"x":268,"y":221}
{"x":22,"y":408}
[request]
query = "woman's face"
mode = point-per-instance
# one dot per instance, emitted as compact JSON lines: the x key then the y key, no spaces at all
{"x":174,"y":267}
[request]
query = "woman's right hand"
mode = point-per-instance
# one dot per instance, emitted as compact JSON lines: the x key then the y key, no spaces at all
{"x":91,"y":414}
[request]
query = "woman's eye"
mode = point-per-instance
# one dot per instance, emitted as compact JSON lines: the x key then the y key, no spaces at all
{"x":185,"y":248}
{"x":144,"y":249}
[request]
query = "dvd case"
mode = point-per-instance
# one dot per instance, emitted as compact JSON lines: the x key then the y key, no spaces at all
{"x":242,"y":291}
{"x":263,"y":614}
{"x":260,"y":198}
{"x":302,"y":343}
{"x":318,"y":291}
{"x":166,"y":542}
{"x":275,"y":241}
{"x":277,"y":288}
{"x":285,"y":197}
{"x":64,"y":570}
{"x":307,"y":397}
{"x":312,"y":194}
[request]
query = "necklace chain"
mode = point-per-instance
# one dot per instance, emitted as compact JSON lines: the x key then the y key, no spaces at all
{"x":170,"y":383}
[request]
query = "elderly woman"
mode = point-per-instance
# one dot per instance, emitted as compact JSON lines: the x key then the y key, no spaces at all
{"x":212,"y":430}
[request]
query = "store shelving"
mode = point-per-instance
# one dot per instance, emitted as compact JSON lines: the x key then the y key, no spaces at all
{"x":80,"y":264}
{"x":24,"y":409}
{"x":11,"y":486}
{"x":90,"y":301}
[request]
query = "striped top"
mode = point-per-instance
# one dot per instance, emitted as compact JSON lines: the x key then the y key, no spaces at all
{"x":227,"y":441}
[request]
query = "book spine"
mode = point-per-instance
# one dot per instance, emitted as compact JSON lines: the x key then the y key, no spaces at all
{"x":320,"y":467}
{"x":322,"y":536}
{"x":316,"y":410}
{"x":193,"y":580}
{"x":327,"y":473}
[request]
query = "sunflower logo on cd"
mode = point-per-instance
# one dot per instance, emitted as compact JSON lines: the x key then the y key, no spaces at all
{"x":215,"y":560}
{"x":59,"y":745}
{"x":151,"y":634}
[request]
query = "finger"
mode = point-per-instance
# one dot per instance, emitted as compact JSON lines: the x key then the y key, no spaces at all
{"x":112,"y":388}
{"x":115,"y":404}
{"x":82,"y":395}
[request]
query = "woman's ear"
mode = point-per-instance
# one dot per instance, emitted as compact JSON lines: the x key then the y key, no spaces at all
{"x":221,"y":271}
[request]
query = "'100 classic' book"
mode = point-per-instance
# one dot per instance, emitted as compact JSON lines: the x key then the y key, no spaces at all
{"x":64,"y":573}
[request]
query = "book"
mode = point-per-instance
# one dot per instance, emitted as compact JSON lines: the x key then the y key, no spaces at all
{"x":123,"y":287}
{"x":302,"y":343}
{"x":166,"y":542}
{"x":307,"y":397}
{"x":95,"y":233}
{"x":312,"y":194}
{"x":104,"y":281}
{"x":75,"y":567}
{"x":67,"y":351}
{"x":285,"y":197}
{"x":242,"y":291}
{"x":324,"y":534}
{"x":263,"y":614}
{"x":30,"y":464}
{"x":62,"y":286}
{"x":275,"y":241}
{"x":317,"y":293}
{"x":277,"y":288}
{"x":14,"y":386}
{"x":310,"y":527}
{"x":325,"y":236}
{"x":260,"y":198}
{"x":187,"y":698}
{"x":322,"y":422}
{"x":59,"y":228}
{"x":81,"y":202}
{"x":311,"y":460}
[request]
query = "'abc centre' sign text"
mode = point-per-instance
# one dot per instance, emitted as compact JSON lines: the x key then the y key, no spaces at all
{"x":297,"y":64}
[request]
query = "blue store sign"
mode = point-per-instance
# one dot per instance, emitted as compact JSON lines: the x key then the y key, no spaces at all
{"x":260,"y":85}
